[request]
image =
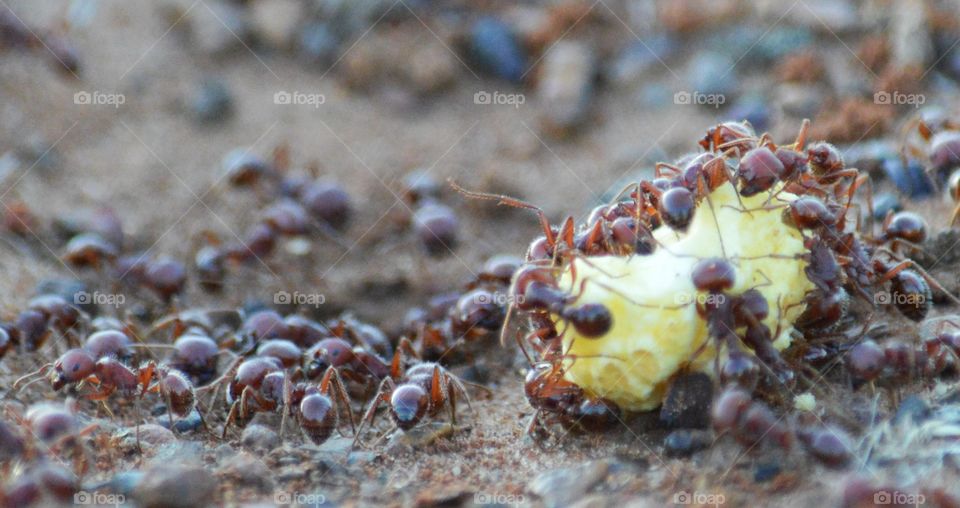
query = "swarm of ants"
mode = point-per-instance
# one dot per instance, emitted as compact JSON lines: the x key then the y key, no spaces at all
{"x":229,"y":366}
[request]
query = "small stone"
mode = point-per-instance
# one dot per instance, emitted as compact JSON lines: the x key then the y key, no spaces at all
{"x":496,"y":50}
{"x":766,"y":472}
{"x":637,"y":58}
{"x":275,"y":21}
{"x":212,"y":102}
{"x":684,"y":442}
{"x":753,"y":109}
{"x":799,"y":100}
{"x":910,"y":40}
{"x":687,"y":403}
{"x":912,"y":409}
{"x":151,"y":436}
{"x":566,"y":87}
{"x":561,"y":487}
{"x":431,"y":68}
{"x":247,"y":470}
{"x":170,"y":486}
{"x":712,"y":73}
{"x":259,"y":438}
{"x":318,"y":44}
{"x":217,"y":26}
{"x":179,"y":452}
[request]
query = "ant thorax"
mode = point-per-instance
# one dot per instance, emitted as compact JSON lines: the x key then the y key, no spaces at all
{"x":659,"y":315}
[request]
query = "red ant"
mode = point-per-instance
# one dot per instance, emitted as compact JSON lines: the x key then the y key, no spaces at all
{"x":421,"y":390}
{"x":264,"y":387}
{"x":549,"y":392}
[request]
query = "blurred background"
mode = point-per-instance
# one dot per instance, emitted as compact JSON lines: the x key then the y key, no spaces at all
{"x":140,"y":110}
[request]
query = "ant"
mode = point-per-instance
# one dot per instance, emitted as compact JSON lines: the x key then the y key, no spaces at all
{"x":267,"y":388}
{"x":549,"y":392}
{"x":422,"y":390}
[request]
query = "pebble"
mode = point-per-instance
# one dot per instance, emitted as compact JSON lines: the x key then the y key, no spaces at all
{"x":125,"y":482}
{"x":684,"y":442}
{"x":781,"y":41}
{"x":911,"y":44}
{"x":247,"y":470}
{"x":912,"y":408}
{"x":911,"y":180}
{"x":799,"y":100}
{"x":711,"y":72}
{"x":561,"y":487}
{"x":824,"y":15}
{"x":259,"y":438}
{"x":318,"y":44}
{"x":431,"y":67}
{"x":687,"y":403}
{"x":566,"y":86}
{"x":179,"y":452}
{"x":275,"y":21}
{"x":218,"y":27}
{"x":211,"y":102}
{"x":752,"y":108}
{"x":765,"y":472}
{"x":638,"y":58}
{"x":172,"y":486}
{"x":151,"y":436}
{"x":496,"y":50}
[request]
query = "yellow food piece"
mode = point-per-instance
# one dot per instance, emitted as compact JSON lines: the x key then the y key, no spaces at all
{"x":656,"y":329}
{"x":805,"y":402}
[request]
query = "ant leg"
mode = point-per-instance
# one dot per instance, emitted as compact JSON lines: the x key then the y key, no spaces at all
{"x":566,"y":232}
{"x":287,"y":395}
{"x":902,"y":265}
{"x":507,"y":200}
{"x":458,"y":385}
{"x":331,"y":380}
{"x":386,"y":387}
{"x":802,"y":135}
{"x":231,"y":417}
{"x":658,"y":167}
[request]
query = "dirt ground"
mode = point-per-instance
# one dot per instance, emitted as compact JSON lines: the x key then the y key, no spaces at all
{"x":161,"y":170}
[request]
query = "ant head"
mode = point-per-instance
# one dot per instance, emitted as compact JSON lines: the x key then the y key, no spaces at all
{"x":591,"y":320}
{"x":676,"y":208}
{"x":759,"y":171}
{"x":331,"y":352}
{"x":408,"y":404}
{"x":906,"y":226}
{"x":72,"y":367}
{"x":713,"y":275}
